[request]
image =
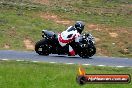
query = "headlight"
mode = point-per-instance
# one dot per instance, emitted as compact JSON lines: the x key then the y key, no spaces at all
{"x":84,"y":37}
{"x":93,"y":41}
{"x":43,"y":35}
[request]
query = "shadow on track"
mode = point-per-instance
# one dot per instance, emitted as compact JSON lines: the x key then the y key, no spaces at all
{"x":65,"y":56}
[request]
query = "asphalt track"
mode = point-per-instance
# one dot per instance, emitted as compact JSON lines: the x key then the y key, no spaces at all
{"x":95,"y":60}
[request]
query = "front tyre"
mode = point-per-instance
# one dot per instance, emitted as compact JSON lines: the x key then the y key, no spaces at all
{"x":41,"y":47}
{"x":92,"y":51}
{"x":87,"y":52}
{"x":83,"y":53}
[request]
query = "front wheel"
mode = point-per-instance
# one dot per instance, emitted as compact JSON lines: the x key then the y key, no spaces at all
{"x":92,"y":51}
{"x":41,"y":47}
{"x":87,"y":52}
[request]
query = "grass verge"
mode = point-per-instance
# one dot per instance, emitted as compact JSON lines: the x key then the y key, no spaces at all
{"x":44,"y":75}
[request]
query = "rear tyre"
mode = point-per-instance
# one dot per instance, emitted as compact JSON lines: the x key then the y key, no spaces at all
{"x":41,"y":47}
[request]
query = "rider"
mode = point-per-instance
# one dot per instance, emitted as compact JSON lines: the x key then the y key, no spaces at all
{"x":72,"y":33}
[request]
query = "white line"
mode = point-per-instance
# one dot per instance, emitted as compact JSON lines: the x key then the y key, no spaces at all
{"x":5,"y":59}
{"x":125,"y":58}
{"x":100,"y":65}
{"x":66,"y":63}
{"x":113,"y":57}
{"x":86,"y":64}
{"x":19,"y":60}
{"x":69,"y":63}
{"x":52,"y":62}
{"x":35,"y":61}
{"x":120,"y":66}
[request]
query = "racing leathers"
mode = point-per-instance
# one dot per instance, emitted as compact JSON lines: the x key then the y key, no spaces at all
{"x":68,"y":36}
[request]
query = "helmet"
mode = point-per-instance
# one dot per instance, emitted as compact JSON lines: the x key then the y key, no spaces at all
{"x":79,"y":25}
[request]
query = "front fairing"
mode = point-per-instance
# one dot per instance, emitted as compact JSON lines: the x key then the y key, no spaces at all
{"x":87,"y":39}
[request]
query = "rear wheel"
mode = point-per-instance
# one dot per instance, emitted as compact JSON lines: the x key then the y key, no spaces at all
{"x":41,"y":47}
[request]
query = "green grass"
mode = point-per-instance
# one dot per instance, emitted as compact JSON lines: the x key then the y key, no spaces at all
{"x":109,"y":12}
{"x":19,"y":27}
{"x":20,"y":19}
{"x":43,"y":75}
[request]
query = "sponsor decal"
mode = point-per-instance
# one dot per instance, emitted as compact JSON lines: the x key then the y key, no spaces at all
{"x":83,"y":78}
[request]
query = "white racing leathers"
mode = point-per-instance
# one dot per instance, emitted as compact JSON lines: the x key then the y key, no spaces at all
{"x":68,"y":36}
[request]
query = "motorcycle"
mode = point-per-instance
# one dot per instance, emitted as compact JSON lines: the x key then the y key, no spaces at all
{"x":50,"y":45}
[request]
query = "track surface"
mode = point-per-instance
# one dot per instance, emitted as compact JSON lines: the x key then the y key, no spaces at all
{"x":95,"y":60}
